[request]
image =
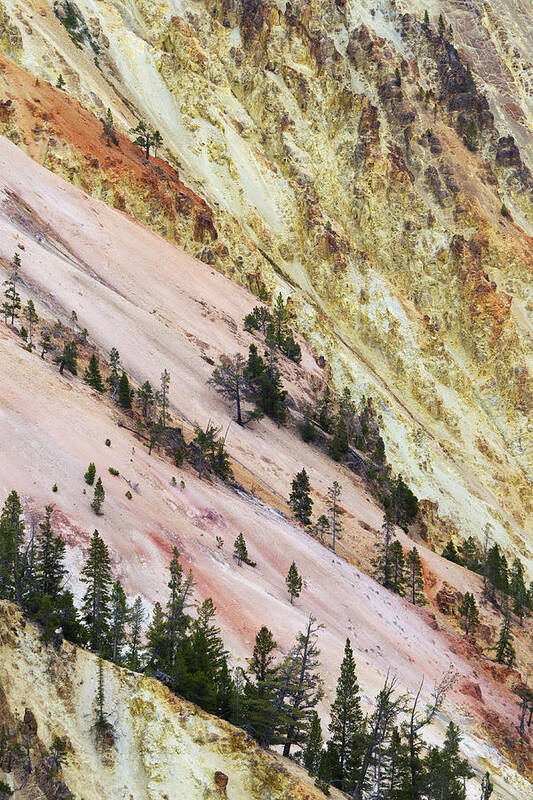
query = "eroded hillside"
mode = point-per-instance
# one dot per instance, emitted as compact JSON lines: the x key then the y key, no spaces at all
{"x":78,"y":255}
{"x":351,"y":156}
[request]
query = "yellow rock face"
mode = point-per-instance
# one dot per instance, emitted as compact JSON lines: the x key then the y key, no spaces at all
{"x":348,"y":160}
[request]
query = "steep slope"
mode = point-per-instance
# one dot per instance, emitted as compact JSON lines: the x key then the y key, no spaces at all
{"x":160,"y":746}
{"x":79,"y":255}
{"x":356,"y":195}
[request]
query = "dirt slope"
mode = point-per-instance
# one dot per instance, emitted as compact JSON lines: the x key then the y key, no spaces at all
{"x":163,"y":309}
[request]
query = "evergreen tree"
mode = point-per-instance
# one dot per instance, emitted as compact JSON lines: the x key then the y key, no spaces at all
{"x":157,"y":140}
{"x":486,"y":787}
{"x":164,"y":401}
{"x":446,"y":771}
{"x":518,"y":590}
{"x":241,"y":551}
{"x":469,"y":614}
{"x":505,"y":652}
{"x":405,"y":503}
{"x":146,"y":398}
{"x":346,"y":726}
{"x":136,"y":622}
{"x":426,"y":18}
{"x":143,"y":137}
{"x":335,"y":512}
{"x":108,"y":125}
{"x":49,"y":567}
{"x":96,"y":575}
{"x":124,"y":392}
{"x":45,"y":344}
{"x":415,"y":579}
{"x":179,"y":600}
{"x":11,"y":541}
{"x":450,"y":553}
{"x":300,"y":497}
{"x":68,"y":358}
{"x":496,"y":573}
{"x":339,"y":443}
{"x":32,"y":318}
{"x":265,"y":381}
{"x":119,"y":618}
{"x":98,"y":498}
{"x":383,"y":561}
{"x":397,"y":563}
{"x":92,"y":375}
{"x":60,"y":82}
{"x":313,"y":746}
{"x":258,"y":319}
{"x":231,"y":379}
{"x":156,"y":640}
{"x":260,"y":712}
{"x":293,"y":582}
{"x":470,"y":554}
{"x":324,"y":417}
{"x":442,"y":26}
{"x":303,"y":688}
{"x":114,"y":379}
{"x":90,"y":475}
{"x":307,"y":427}
{"x":12,"y":303}
{"x":68,"y":619}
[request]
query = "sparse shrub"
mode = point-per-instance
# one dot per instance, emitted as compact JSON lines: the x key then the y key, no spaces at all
{"x":129,"y":495}
{"x":113,"y":471}
{"x":179,"y":455}
{"x":504,"y":211}
{"x":108,"y":442}
{"x":220,"y":542}
{"x":54,"y":487}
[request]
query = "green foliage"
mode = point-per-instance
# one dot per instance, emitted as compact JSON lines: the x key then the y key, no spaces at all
{"x":108,"y":124}
{"x":450,"y":553}
{"x":96,"y":575}
{"x":92,"y":375}
{"x":265,"y":384}
{"x":125,"y":392}
{"x":346,"y":726}
{"x":108,"y":442}
{"x":211,"y":452}
{"x":397,"y":77}
{"x":339,"y":444}
{"x":60,"y":83}
{"x":90,"y":475}
{"x":471,"y":136}
{"x":504,"y":650}
{"x":54,"y":487}
{"x":313,"y":746}
{"x":11,"y":542}
{"x":240,"y":552}
{"x":129,"y":495}
{"x":307,"y":427}
{"x":98,"y":497}
{"x":68,"y":358}
{"x":300,"y":497}
{"x":397,"y":568}
{"x":469,"y":614}
{"x":113,"y":471}
{"x":293,"y":582}
{"x":12,"y":304}
{"x":414,"y":578}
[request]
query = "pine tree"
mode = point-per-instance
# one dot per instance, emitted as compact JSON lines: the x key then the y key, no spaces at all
{"x":346,"y":726}
{"x":68,"y":358}
{"x":179,"y":600}
{"x":96,"y":575}
{"x":442,"y":26}
{"x":230,"y":379}
{"x":146,"y":397}
{"x":92,"y":375}
{"x":303,"y":688}
{"x":324,"y":418}
{"x":335,"y":512}
{"x":313,"y":746}
{"x":505,"y":652}
{"x":164,"y":401}
{"x":98,"y":498}
{"x":136,"y":622}
{"x":12,"y":302}
{"x":124,"y":392}
{"x":307,"y":427}
{"x":415,"y":579}
{"x":114,"y":379}
{"x":156,"y":640}
{"x":119,"y":618}
{"x":90,"y":475}
{"x":260,"y":713}
{"x":518,"y":590}
{"x":157,"y":140}
{"x":339,"y":445}
{"x":45,"y":343}
{"x":293,"y":582}
{"x":11,"y":541}
{"x":60,"y":82}
{"x":49,"y":567}
{"x":32,"y":318}
{"x":300,"y":497}
{"x":108,"y":125}
{"x":241,"y":551}
{"x":486,"y":787}
{"x":471,"y":554}
{"x":143,"y":137}
{"x":383,"y":562}
{"x":469,"y":614}
{"x":397,"y":563}
{"x":426,"y":18}
{"x":446,"y":771}
{"x":450,"y":553}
